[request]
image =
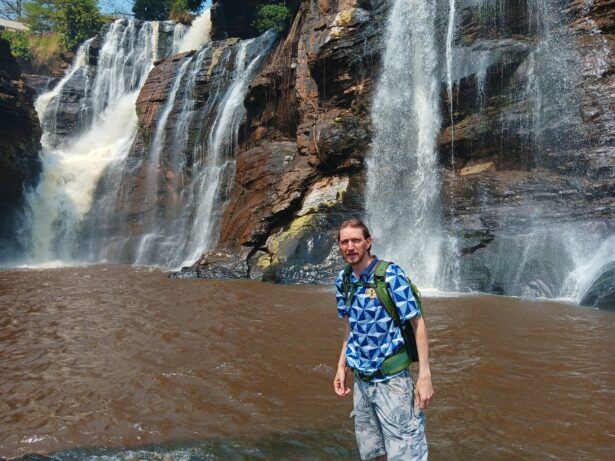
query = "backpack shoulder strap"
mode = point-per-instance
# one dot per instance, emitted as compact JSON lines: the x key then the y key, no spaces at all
{"x":347,"y":285}
{"x":383,"y":291}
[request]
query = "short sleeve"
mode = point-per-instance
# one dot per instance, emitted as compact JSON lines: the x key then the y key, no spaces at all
{"x":400,"y":291}
{"x":339,"y":296}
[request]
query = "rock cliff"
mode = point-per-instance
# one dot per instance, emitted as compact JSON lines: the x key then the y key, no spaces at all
{"x":19,"y":149}
{"x":506,"y":169}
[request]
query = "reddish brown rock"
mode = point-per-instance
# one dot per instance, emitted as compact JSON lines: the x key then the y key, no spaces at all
{"x":156,"y":89}
{"x":269,"y":185}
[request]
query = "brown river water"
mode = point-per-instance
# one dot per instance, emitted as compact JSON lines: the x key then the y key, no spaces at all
{"x":108,"y":362}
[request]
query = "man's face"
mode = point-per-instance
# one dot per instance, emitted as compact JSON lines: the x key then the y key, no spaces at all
{"x":353,"y":245}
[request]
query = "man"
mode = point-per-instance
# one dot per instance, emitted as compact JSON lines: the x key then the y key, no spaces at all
{"x":388,"y":408}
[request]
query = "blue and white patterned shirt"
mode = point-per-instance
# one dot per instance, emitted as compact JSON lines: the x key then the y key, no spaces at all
{"x":373,"y":333}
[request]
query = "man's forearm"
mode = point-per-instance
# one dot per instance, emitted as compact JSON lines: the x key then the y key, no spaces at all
{"x":422,"y":344}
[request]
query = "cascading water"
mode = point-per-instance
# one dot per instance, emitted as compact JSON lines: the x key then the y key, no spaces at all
{"x":179,"y":231}
{"x":553,"y":82}
{"x":83,"y":139}
{"x":549,"y":258}
{"x":179,"y":30}
{"x":403,"y":186}
{"x":102,"y":131}
{"x":199,"y":33}
{"x":450,"y":29}
{"x":536,"y":257}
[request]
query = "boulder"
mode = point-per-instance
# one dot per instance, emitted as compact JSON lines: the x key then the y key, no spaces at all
{"x":215,"y":265}
{"x":601,"y":294}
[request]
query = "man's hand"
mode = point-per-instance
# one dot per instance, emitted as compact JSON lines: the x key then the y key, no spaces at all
{"x":339,"y":383}
{"x":423,"y":392}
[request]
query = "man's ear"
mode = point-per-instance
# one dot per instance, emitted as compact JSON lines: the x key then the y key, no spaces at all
{"x":369,"y":242}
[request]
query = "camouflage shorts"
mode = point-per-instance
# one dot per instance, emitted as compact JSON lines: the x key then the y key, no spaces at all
{"x":386,"y":421}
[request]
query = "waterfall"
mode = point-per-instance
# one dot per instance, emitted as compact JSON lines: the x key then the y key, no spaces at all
{"x":179,"y":30}
{"x":450,"y":28}
{"x":89,"y":125}
{"x":102,"y":133}
{"x":199,"y":33}
{"x":534,"y":257}
{"x":182,"y":228}
{"x":553,"y":82}
{"x":403,"y":186}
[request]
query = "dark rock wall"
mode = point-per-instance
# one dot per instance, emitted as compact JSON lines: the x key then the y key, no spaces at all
{"x":234,"y":18}
{"x":20,"y":134}
{"x":315,"y":93}
{"x":507,"y":174}
{"x":301,"y":171}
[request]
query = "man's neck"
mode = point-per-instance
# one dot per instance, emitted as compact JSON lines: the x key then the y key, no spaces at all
{"x":359,"y":267}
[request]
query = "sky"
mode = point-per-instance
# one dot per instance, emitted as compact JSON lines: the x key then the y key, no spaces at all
{"x":125,"y":6}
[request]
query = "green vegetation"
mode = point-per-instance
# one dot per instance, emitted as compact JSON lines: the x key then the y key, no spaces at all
{"x":180,"y":11}
{"x":76,"y":21}
{"x":55,"y":27}
{"x":161,"y":10}
{"x":276,"y":16}
{"x":19,"y":42}
{"x":46,"y":50}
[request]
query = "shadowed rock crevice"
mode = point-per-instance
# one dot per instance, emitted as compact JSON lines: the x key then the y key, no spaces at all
{"x":20,"y":164}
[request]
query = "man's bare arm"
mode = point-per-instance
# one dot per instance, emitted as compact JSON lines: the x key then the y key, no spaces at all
{"x":424,"y":389}
{"x":339,"y":383}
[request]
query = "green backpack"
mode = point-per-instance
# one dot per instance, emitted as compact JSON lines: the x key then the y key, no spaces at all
{"x":382,"y":292}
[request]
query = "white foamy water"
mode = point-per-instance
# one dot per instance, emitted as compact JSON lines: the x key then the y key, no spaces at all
{"x":198,"y":34}
{"x":73,"y":165}
{"x":180,"y":231}
{"x":403,"y":186}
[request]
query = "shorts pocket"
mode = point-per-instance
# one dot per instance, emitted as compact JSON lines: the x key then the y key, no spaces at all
{"x":413,"y":421}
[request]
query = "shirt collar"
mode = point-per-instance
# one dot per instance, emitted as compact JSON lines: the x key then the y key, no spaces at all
{"x":368,"y":270}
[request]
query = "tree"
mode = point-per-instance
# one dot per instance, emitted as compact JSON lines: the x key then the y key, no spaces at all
{"x":179,"y":11}
{"x":11,"y":9}
{"x":275,"y":17}
{"x":41,"y":15}
{"x":151,"y":10}
{"x":161,"y":10}
{"x":114,"y":8}
{"x":74,"y":20}
{"x":77,"y":20}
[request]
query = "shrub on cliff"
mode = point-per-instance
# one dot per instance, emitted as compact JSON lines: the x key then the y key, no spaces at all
{"x":19,"y":43}
{"x":46,"y":50}
{"x":37,"y":51}
{"x":180,"y":12}
{"x":275,"y":17}
{"x":161,"y":10}
{"x":74,"y":20}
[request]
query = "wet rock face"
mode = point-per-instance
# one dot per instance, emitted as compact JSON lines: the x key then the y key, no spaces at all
{"x":269,"y":182}
{"x":602,"y":292}
{"x":506,"y":168}
{"x":215,"y":265}
{"x":527,"y":158}
{"x":300,"y":166}
{"x":19,"y":148}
